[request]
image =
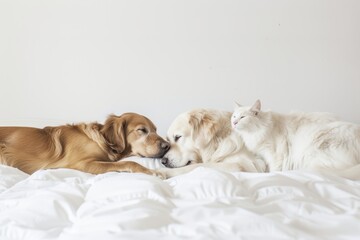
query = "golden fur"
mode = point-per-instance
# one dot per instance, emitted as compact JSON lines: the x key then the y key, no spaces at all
{"x":92,"y":148}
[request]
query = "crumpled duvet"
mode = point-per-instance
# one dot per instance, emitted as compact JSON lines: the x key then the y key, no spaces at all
{"x":203,"y":204}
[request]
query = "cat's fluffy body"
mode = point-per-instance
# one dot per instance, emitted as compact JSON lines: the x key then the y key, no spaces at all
{"x":311,"y":141}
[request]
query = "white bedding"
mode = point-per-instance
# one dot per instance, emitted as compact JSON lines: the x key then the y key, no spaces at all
{"x":203,"y":204}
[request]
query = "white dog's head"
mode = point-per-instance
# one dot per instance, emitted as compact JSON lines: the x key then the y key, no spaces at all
{"x":194,"y":136}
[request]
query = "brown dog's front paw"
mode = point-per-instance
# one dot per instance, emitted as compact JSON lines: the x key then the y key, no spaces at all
{"x":159,"y":174}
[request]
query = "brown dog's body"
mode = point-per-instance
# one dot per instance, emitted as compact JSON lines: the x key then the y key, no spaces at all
{"x":92,"y":148}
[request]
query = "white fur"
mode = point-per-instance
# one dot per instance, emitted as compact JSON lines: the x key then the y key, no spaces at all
{"x":204,"y":137}
{"x":311,"y":141}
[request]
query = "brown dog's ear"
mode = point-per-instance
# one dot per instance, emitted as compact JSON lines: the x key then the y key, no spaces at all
{"x":114,"y":132}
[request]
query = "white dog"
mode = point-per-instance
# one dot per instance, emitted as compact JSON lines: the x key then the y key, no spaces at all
{"x":204,"y":138}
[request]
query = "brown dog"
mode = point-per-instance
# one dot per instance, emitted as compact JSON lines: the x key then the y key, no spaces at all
{"x":92,"y":148}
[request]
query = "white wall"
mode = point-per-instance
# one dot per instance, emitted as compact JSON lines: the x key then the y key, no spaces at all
{"x":71,"y":60}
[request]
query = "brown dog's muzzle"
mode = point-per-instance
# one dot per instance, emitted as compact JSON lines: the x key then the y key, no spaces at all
{"x":164,"y":148}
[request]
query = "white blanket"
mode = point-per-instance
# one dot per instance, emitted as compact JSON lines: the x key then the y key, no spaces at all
{"x":203,"y":204}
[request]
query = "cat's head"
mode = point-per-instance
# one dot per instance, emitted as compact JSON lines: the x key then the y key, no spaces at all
{"x":244,"y":117}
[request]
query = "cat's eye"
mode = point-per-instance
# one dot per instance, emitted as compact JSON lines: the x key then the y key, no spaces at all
{"x":242,"y":117}
{"x":176,"y":138}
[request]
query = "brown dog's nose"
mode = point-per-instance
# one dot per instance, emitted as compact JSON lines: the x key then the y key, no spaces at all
{"x":164,"y":161}
{"x":165,"y":146}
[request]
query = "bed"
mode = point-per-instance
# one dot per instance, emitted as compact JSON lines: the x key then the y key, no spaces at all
{"x":202,"y":204}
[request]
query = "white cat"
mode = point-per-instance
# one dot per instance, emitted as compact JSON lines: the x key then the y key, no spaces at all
{"x":312,"y":141}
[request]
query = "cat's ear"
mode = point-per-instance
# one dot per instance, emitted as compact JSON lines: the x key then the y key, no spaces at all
{"x":256,"y":107}
{"x":237,"y":104}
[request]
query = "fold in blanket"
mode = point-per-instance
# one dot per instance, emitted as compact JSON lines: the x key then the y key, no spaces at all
{"x":203,"y":204}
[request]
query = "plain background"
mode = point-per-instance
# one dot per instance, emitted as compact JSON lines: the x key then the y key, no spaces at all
{"x":80,"y":60}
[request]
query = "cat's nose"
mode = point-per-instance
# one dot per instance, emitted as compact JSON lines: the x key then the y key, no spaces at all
{"x":235,"y":122}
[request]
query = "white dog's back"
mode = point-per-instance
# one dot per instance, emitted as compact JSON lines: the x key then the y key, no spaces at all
{"x":333,"y":145}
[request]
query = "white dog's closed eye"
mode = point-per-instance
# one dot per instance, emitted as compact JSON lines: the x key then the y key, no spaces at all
{"x":177,"y":137}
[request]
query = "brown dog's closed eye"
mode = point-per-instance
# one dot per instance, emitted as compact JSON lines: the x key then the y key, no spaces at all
{"x":92,"y":148}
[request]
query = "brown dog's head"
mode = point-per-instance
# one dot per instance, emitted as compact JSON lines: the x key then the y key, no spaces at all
{"x":133,"y":134}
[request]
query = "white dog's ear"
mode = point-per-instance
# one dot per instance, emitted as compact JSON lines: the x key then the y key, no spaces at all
{"x":203,"y":128}
{"x":256,"y":107}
